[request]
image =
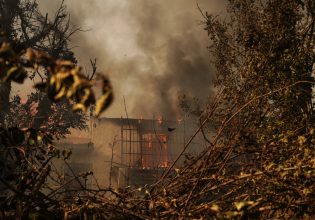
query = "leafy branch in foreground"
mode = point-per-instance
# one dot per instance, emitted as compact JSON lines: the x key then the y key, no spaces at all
{"x":30,"y":183}
{"x":65,"y":79}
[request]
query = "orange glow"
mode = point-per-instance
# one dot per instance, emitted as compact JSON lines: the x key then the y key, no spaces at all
{"x":164,"y":164}
{"x":155,"y":150}
{"x":163,"y":138}
{"x":140,"y":120}
{"x":160,"y":119}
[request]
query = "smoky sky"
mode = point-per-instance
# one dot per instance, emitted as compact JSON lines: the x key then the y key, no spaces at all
{"x":152,"y":50}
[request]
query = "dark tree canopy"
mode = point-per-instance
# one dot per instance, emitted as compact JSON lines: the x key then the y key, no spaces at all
{"x":26,"y":27}
{"x":32,"y":46}
{"x":26,"y":152}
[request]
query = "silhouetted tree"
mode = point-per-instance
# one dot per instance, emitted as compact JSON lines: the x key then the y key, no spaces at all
{"x":26,"y":27}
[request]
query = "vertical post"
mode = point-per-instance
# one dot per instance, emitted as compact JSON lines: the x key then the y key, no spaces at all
{"x":140,"y":144}
{"x":121,"y":148}
{"x":184,"y":131}
{"x":111,"y":165}
{"x":121,"y":142}
{"x":130,"y":154}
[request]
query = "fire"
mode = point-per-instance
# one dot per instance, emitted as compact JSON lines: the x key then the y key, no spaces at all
{"x":164,"y":164}
{"x":155,"y":150}
{"x":160,"y":120}
{"x":140,"y":120}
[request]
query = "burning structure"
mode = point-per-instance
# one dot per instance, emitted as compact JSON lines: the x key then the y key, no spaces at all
{"x":129,"y":152}
{"x":147,"y":147}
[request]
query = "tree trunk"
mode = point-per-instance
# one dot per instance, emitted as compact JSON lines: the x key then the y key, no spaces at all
{"x":44,"y":109}
{"x":7,"y":15}
{"x":5,"y":90}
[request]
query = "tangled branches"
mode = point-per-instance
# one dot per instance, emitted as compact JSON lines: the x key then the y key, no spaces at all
{"x":237,"y":177}
{"x":28,"y":155}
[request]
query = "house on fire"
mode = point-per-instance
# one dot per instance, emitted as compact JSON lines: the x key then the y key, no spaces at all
{"x":122,"y":152}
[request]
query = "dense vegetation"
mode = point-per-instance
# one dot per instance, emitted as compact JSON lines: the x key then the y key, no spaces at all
{"x":260,"y":162}
{"x":34,"y":47}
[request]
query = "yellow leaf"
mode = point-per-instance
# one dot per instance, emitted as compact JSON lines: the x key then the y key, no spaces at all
{"x":215,"y":208}
{"x":103,"y":102}
{"x":5,"y":47}
{"x":70,"y":93}
{"x":9,"y":74}
{"x":75,"y":71}
{"x":79,"y":106}
{"x":301,"y":140}
{"x":77,"y":82}
{"x":174,"y":202}
{"x":177,"y":171}
{"x":61,"y":93}
{"x":65,"y":63}
{"x":52,"y":80}
{"x":39,"y":137}
{"x":306,"y":191}
{"x":88,"y":97}
{"x":240,"y":205}
{"x":61,"y":76}
{"x":284,"y":140}
{"x":31,"y":141}
{"x":57,"y":84}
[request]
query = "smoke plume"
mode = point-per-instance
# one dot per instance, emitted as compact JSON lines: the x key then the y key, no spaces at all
{"x":152,"y":50}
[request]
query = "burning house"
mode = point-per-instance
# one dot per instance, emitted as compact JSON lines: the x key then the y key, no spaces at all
{"x":147,"y":148}
{"x":123,"y":152}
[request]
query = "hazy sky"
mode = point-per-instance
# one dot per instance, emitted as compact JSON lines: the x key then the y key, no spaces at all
{"x":152,"y":50}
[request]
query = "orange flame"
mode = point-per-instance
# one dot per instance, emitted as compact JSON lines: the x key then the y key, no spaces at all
{"x":160,"y":120}
{"x":140,"y":120}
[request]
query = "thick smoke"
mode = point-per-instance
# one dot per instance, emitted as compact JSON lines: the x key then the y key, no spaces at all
{"x":152,"y":50}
